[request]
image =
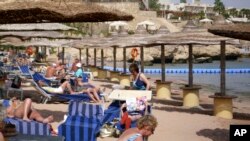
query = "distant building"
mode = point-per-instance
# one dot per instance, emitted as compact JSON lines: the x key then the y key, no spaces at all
{"x":195,"y":7}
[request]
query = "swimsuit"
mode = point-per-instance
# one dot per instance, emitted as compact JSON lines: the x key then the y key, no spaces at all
{"x":134,"y":137}
{"x":138,"y":84}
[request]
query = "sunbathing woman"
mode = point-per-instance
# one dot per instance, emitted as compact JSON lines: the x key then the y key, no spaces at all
{"x":92,"y":93}
{"x":26,"y":111}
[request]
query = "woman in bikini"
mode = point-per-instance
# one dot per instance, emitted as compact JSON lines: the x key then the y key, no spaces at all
{"x":26,"y":111}
{"x":145,"y":127}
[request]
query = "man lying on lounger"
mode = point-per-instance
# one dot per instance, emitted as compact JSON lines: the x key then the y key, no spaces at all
{"x":65,"y":84}
{"x":26,"y":111}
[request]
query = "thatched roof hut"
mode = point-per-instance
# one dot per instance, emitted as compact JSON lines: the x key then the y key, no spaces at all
{"x":238,"y":31}
{"x":57,"y":11}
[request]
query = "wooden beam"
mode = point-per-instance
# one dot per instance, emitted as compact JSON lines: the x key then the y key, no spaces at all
{"x":223,"y":68}
{"x":163,"y":68}
{"x":102,"y":59}
{"x":142,"y":59}
{"x":190,"y":65}
{"x":124,"y":60}
{"x":114,"y":55}
{"x":87,"y":56}
{"x":94,"y":56}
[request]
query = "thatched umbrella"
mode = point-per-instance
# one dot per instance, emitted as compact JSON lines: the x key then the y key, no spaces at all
{"x":44,"y":11}
{"x":44,"y":42}
{"x":238,"y":31}
{"x":35,"y":34}
{"x":36,"y":27}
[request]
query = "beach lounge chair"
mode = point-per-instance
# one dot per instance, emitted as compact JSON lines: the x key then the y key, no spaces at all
{"x":83,"y":121}
{"x":25,"y":71}
{"x":46,"y":96}
{"x":27,"y":127}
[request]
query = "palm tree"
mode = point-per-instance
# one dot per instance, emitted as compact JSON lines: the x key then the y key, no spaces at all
{"x":219,"y":7}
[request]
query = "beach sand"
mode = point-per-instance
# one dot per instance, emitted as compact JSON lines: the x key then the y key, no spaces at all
{"x":176,"y":122}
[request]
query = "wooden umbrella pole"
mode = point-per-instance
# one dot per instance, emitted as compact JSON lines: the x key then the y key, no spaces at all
{"x":142,"y":59}
{"x":80,"y":55}
{"x":163,"y":76}
{"x":223,"y":68}
{"x":63,"y":55}
{"x":87,"y":56}
{"x":190,"y":65}
{"x":94,"y":56}
{"x":124,"y":60}
{"x":102,"y":59}
{"x":114,"y":55}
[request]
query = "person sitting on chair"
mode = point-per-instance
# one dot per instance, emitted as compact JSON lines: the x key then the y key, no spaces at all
{"x":51,"y":71}
{"x":26,"y":111}
{"x":74,"y":67}
{"x":79,"y":79}
{"x":140,"y":81}
{"x":145,"y":127}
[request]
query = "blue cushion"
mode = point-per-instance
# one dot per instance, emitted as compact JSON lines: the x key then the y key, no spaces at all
{"x":83,"y":122}
{"x":77,"y":108}
{"x":29,"y":127}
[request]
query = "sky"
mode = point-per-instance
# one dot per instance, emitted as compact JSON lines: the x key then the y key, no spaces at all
{"x":227,"y":3}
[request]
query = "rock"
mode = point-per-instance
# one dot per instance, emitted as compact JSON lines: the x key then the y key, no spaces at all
{"x":203,"y":60}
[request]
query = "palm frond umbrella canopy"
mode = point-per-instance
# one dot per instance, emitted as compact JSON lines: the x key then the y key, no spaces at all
{"x":35,"y":34}
{"x":192,"y":27}
{"x":237,"y":31}
{"x":45,"y":42}
{"x":44,"y":11}
{"x":36,"y":27}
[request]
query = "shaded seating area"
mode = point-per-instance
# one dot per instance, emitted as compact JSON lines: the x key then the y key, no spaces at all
{"x":83,"y":121}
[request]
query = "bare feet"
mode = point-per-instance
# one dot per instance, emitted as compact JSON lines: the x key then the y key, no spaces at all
{"x":49,"y":119}
{"x":26,"y":119}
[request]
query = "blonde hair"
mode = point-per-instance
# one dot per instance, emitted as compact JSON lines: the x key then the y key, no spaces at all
{"x":147,"y":120}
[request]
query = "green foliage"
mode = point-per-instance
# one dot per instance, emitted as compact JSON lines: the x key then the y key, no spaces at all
{"x":233,"y":12}
{"x":219,"y":7}
{"x":244,"y":12}
{"x":154,"y":5}
{"x":183,"y":1}
{"x":131,"y":32}
{"x":201,"y":15}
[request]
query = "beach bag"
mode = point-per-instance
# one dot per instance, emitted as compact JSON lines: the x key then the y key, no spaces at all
{"x":16,"y":82}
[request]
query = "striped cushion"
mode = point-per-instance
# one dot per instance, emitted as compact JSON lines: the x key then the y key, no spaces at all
{"x":29,"y":127}
{"x":77,"y":108}
{"x":83,"y":122}
{"x":78,"y":128}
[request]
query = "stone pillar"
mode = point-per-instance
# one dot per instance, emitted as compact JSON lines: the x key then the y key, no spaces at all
{"x":163,"y":89}
{"x":94,"y":70}
{"x":223,"y":106}
{"x":191,"y":96}
{"x":114,"y":76}
{"x":102,"y":73}
{"x":125,"y":79}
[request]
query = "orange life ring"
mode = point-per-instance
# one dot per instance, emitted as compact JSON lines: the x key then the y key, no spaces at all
{"x":29,"y":50}
{"x":134,"y":53}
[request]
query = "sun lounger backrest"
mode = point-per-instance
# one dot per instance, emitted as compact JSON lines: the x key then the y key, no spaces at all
{"x":24,"y":69}
{"x":37,"y":76}
{"x":89,"y":110}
